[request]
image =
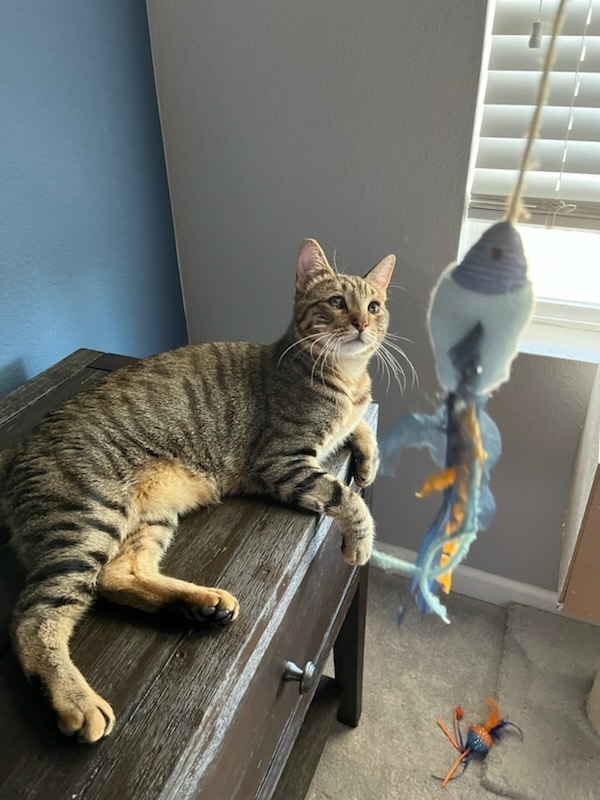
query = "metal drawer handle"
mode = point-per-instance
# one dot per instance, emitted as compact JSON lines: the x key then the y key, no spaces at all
{"x":306,"y":676}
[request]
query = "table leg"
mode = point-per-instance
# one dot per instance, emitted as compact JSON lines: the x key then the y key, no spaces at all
{"x":348,"y":654}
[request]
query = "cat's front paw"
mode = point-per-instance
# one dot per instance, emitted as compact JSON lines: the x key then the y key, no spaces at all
{"x":357,"y":545}
{"x":357,"y":553}
{"x":366,"y":464}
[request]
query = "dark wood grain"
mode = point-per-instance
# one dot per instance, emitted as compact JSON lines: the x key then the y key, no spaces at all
{"x":109,"y":362}
{"x":198,"y":709}
{"x":348,"y":655}
{"x":45,"y":382}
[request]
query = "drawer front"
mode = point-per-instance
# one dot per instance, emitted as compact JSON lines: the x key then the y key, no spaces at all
{"x":261,"y":718}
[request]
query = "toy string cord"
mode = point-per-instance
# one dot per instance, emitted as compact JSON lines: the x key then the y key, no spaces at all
{"x":515,"y":208}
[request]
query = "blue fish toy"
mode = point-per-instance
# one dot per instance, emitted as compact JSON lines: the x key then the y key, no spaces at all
{"x":477,"y":313}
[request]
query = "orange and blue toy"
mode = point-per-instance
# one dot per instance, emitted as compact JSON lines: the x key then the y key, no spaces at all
{"x":480,"y":738}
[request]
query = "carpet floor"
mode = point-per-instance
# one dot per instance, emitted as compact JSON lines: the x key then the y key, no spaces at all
{"x":413,"y":674}
{"x":548,"y":668}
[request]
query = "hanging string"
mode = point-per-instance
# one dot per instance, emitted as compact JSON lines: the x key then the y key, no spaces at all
{"x":574,"y":94}
{"x":515,"y":208}
{"x":540,"y":11}
{"x":556,"y":207}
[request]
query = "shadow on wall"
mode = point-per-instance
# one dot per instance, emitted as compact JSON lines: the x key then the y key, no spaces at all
{"x":12,"y":375}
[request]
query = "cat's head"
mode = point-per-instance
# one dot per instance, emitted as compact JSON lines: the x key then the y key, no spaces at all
{"x":343,"y":314}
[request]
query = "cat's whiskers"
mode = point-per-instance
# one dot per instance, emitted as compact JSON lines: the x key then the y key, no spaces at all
{"x":321,"y":355}
{"x":330,"y":347}
{"x":393,"y":367}
{"x":315,"y":336}
{"x":391,"y":364}
{"x":324,"y":360}
{"x":312,"y":347}
{"x":383,"y":368}
{"x":393,"y":346}
{"x":390,"y":335}
{"x":315,"y":360}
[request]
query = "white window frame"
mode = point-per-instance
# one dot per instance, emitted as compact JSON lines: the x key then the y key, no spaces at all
{"x":563,"y":329}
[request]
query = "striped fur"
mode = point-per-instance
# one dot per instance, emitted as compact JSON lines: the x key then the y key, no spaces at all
{"x":93,"y":496}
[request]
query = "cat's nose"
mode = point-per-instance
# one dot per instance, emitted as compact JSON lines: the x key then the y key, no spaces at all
{"x":360,"y":324}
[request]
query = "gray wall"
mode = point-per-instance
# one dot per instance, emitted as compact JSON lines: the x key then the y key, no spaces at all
{"x":350,"y":122}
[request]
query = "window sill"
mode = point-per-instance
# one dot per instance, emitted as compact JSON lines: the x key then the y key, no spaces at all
{"x":550,"y":337}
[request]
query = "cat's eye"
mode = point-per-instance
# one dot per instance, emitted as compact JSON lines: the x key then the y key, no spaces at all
{"x":374,"y":307}
{"x":337,"y":301}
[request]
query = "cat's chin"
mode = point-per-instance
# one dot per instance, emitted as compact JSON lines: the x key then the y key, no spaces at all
{"x":356,"y":347}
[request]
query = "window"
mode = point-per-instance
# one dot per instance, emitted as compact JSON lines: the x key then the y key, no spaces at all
{"x":562,"y":188}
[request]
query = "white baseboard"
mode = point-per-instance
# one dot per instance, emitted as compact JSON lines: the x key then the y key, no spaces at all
{"x":485,"y":585}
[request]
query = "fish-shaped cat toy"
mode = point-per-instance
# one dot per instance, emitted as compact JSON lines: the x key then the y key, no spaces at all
{"x":477,"y":312}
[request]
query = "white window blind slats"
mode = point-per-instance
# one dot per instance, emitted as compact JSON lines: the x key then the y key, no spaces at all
{"x":516,"y":16}
{"x":542,"y":210}
{"x":520,"y":88}
{"x":514,"y":53}
{"x":546,"y":155}
{"x":565,"y":164}
{"x":512,"y":121}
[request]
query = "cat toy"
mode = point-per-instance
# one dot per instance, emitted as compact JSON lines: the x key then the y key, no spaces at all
{"x":477,"y":313}
{"x":480,"y":738}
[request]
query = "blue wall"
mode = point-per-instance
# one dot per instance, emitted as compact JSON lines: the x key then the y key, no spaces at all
{"x":87,"y":253}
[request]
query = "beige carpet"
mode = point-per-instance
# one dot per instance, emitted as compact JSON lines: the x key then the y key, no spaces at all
{"x":412,"y":675}
{"x":423,"y":670}
{"x":547,"y":670}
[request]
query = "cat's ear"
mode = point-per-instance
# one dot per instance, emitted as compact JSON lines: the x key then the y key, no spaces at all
{"x":381,"y":275}
{"x":312,"y":262}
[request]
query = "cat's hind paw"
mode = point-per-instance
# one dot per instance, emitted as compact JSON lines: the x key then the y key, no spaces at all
{"x":85,"y":714}
{"x":211,"y":605}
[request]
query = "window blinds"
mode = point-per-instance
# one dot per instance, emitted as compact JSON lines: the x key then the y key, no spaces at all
{"x":562,"y":186}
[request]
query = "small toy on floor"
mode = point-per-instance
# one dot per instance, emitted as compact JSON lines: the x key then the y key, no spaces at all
{"x":480,"y":738}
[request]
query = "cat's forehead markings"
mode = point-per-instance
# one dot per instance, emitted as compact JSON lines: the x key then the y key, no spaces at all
{"x":348,"y":285}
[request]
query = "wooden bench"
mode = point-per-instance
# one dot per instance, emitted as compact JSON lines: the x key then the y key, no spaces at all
{"x":201,"y":713}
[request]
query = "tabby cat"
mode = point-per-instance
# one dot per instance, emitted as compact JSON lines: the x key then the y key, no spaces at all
{"x":92,"y":497}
